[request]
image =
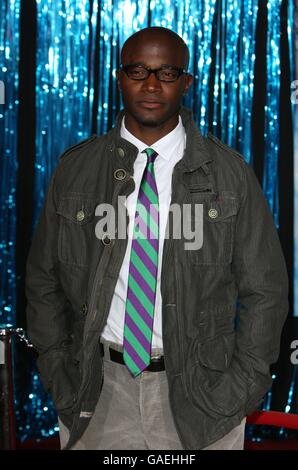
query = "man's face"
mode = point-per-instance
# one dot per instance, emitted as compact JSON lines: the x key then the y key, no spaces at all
{"x":167,"y":96}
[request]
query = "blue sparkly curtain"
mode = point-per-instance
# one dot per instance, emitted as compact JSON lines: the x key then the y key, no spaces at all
{"x":9,"y":58}
{"x":78,"y":48}
{"x":270,"y":177}
{"x":65,"y":89}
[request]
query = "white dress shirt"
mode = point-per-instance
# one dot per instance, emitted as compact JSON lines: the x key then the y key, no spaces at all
{"x":170,"y":149}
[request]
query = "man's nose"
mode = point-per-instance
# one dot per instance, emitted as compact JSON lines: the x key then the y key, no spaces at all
{"x":151,"y":83}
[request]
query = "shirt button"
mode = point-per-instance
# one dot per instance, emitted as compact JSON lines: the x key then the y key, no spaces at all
{"x":212,"y":213}
{"x":120,"y":174}
{"x":121,"y":152}
{"x":80,"y":216}
{"x":106,"y":240}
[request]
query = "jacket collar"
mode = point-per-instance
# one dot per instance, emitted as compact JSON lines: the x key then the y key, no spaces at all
{"x":196,"y":152}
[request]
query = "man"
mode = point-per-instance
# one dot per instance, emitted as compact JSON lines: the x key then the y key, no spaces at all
{"x":145,"y":342}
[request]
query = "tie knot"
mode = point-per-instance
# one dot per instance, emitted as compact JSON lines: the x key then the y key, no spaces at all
{"x":151,"y":154}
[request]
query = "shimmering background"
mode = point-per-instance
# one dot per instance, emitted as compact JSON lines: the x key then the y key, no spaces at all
{"x":9,"y":58}
{"x":78,"y":46}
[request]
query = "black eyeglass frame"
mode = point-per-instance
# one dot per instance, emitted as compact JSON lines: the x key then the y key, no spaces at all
{"x":180,"y":71}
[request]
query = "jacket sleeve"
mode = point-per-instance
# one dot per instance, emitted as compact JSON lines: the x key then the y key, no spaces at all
{"x":261,"y":277}
{"x":48,"y":309}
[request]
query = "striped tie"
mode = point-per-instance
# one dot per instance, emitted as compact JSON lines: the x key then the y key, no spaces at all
{"x":142,"y":278}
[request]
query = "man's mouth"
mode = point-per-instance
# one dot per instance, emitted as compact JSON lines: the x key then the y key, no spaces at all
{"x":150,"y":104}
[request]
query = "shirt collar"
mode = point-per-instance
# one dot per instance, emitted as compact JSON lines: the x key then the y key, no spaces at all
{"x":164,"y":146}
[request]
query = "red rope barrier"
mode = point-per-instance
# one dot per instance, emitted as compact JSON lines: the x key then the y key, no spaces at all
{"x":274,"y":418}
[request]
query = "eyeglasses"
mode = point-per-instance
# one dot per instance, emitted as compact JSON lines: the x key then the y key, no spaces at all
{"x":164,"y":74}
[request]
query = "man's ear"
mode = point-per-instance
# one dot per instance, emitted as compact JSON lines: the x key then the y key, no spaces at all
{"x":118,"y":74}
{"x":189,"y":80}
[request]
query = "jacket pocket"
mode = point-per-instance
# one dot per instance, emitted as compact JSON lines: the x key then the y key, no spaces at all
{"x":217,"y":227}
{"x":215,"y":385}
{"x":76,"y":229}
{"x":60,"y":377}
{"x":215,"y":356}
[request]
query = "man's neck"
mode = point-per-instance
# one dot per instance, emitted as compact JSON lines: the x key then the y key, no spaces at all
{"x":148,"y":134}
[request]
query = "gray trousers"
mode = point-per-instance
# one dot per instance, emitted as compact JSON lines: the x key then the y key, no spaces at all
{"x":134,"y":414}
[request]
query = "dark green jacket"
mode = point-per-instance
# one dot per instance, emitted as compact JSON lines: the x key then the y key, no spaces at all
{"x":223,"y":305}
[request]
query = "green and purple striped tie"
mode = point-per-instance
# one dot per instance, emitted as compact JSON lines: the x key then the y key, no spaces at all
{"x":142,"y":278}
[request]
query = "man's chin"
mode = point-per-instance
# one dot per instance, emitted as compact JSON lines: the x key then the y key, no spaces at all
{"x":150,"y":121}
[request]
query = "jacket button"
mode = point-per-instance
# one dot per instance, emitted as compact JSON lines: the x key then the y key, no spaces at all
{"x":84,"y":309}
{"x":212,"y":213}
{"x":121,"y":152}
{"x":120,"y":174}
{"x":106,"y":240}
{"x":80,"y":216}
